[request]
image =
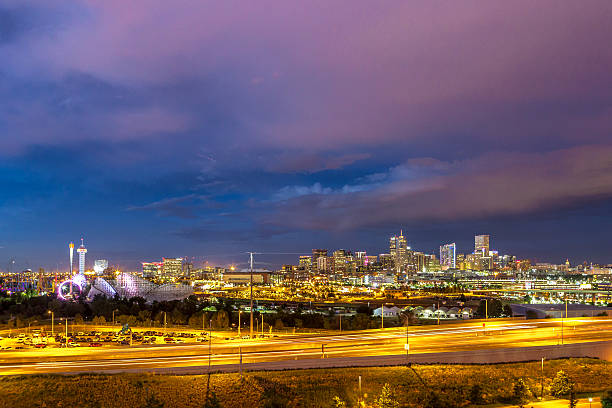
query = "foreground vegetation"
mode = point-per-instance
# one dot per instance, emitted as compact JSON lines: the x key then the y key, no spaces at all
{"x":445,"y":386}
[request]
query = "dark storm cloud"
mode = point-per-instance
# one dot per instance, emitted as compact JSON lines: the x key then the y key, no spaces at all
{"x":301,"y":117}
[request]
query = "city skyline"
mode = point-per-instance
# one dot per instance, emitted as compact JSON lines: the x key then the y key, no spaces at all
{"x":281,"y":129}
{"x":399,"y":249}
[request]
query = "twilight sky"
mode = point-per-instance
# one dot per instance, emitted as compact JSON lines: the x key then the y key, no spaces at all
{"x":205,"y":129}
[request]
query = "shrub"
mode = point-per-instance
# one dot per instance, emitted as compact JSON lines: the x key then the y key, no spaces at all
{"x":520,"y":392}
{"x":561,"y":385}
{"x":386,"y":399}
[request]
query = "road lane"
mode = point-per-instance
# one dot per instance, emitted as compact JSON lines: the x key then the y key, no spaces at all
{"x":371,"y":343}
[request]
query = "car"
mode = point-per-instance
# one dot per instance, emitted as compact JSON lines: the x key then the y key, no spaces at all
{"x":201,"y":339}
{"x":73,"y":344}
{"x":125,"y":343}
{"x":95,"y":344}
{"x":19,"y":348}
{"x":40,"y":345}
{"x":80,"y":334}
{"x":169,"y":340}
{"x":22,"y":335}
{"x":179,"y":341}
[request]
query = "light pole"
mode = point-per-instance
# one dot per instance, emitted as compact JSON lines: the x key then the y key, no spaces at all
{"x":407,"y":341}
{"x":563,"y":317}
{"x":66,"y":332}
{"x":590,"y":402}
{"x":542,"y":381}
{"x":239,"y":313}
{"x":209,"y":344}
{"x":52,"y":318}
{"x":251,"y":284}
{"x":116,"y":310}
{"x":165,"y":324}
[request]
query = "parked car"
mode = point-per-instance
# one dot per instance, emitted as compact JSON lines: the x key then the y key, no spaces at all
{"x":95,"y":344}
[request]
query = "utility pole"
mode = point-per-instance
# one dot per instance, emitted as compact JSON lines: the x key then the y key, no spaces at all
{"x":239,"y":313}
{"x":251,"y":302}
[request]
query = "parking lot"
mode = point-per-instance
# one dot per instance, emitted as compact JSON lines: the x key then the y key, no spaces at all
{"x":107,"y":338}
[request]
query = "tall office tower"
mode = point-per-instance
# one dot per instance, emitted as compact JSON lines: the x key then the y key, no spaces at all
{"x":481,"y":245}
{"x":172,"y":267}
{"x":100,"y":265}
{"x":82,"y":251}
{"x":316,"y":254}
{"x":71,"y":252}
{"x":448,"y":256}
{"x":340,"y":260}
{"x":305,"y":263}
{"x":398,"y":248}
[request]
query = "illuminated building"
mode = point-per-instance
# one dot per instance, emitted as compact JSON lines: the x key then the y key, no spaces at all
{"x":82,"y":251}
{"x":448,"y":256}
{"x":340,"y":262}
{"x":316,"y":254}
{"x":387,"y":262}
{"x":305,"y":263}
{"x":152,"y":269}
{"x":172,"y":267}
{"x":398,"y":248}
{"x":323,"y":264}
{"x":481,"y":245}
{"x":100,"y":265}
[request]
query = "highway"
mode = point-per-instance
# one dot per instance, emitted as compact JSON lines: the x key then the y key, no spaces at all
{"x":285,"y":352}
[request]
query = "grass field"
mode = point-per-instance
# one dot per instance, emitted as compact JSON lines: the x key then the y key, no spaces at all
{"x":454,"y":386}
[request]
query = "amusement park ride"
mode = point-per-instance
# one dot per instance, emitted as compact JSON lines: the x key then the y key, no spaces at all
{"x":72,"y":289}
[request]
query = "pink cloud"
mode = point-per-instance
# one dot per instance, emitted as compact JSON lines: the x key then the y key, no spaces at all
{"x":493,"y":185}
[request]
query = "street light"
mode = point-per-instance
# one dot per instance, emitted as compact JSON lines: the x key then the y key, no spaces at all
{"x":239,"y":313}
{"x":590,"y":402}
{"x":116,"y":310}
{"x":52,"y":317}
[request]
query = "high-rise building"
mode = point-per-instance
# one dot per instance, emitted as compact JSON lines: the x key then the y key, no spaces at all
{"x":316,"y":254}
{"x":100,"y":265}
{"x":152,"y":269}
{"x":481,"y":245}
{"x":305,"y":263}
{"x":82,"y":251}
{"x":448,"y":256}
{"x":323,"y":264}
{"x":398,"y":248}
{"x":172,"y":267}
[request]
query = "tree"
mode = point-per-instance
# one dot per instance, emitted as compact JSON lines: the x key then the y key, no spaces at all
{"x":561,"y":385}
{"x":573,"y":401}
{"x":606,"y":400}
{"x":386,"y":399}
{"x":520,"y":392}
